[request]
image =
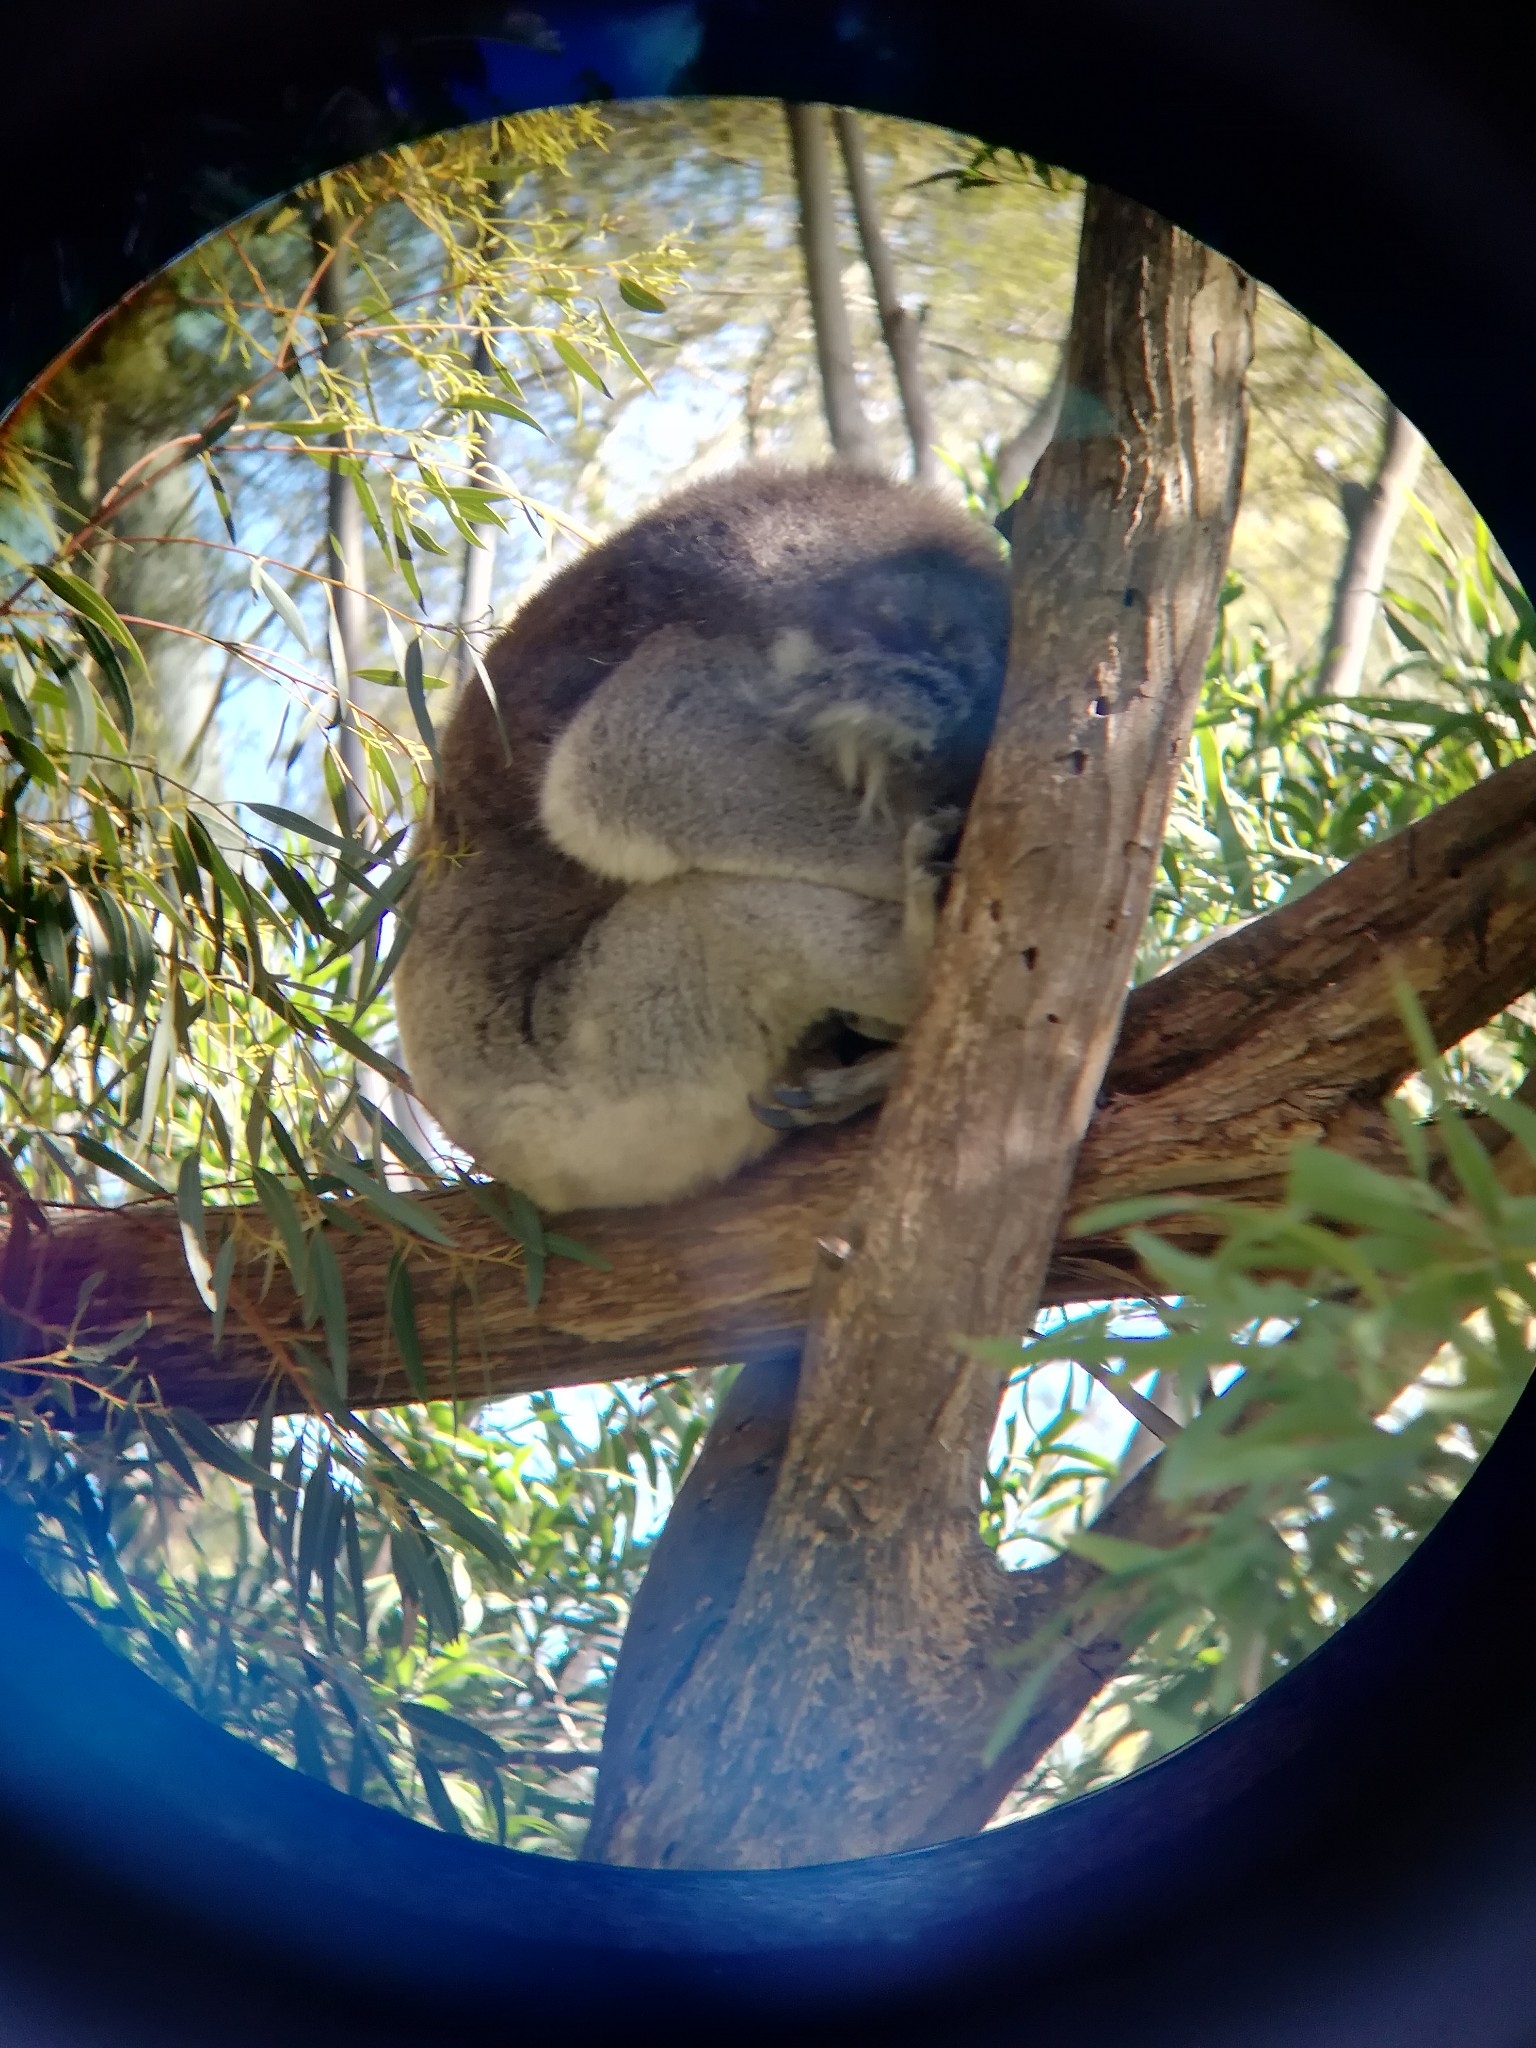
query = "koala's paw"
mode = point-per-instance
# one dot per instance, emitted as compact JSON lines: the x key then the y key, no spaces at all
{"x":928,"y":854}
{"x":827,"y":1094}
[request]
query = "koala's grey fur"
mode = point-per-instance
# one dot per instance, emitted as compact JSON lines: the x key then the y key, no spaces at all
{"x":730,"y":739}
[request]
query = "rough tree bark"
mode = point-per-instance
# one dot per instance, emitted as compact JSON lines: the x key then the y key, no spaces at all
{"x":898,"y":329}
{"x":851,"y":1686}
{"x":1373,"y":513}
{"x":852,"y":439}
{"x":345,"y":560}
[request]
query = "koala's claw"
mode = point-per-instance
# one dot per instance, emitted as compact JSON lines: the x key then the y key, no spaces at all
{"x":827,"y":1095}
{"x":775,"y":1118}
{"x":933,"y":842}
{"x":794,"y":1098}
{"x":928,"y":853}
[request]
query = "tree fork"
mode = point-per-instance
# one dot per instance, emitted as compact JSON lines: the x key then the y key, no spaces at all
{"x":854,"y":1679}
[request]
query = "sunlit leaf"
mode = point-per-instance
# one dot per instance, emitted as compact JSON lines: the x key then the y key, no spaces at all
{"x":392,"y":1206}
{"x":636,"y":295}
{"x":194,"y":1237}
{"x":95,"y":1153}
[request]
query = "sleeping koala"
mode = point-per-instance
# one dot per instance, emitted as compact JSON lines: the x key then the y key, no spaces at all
{"x":697,"y":833}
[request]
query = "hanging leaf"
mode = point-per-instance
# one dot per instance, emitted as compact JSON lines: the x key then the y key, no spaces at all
{"x":315,"y":1517}
{"x":355,"y":1573}
{"x":391,"y":1206}
{"x":95,"y":1153}
{"x":279,"y":1206}
{"x":223,"y":1278}
{"x":194,"y":1238}
{"x":503,"y":408}
{"x":326,"y":1277}
{"x":294,"y":821}
{"x":400,"y":1299}
{"x":620,"y":346}
{"x":267,"y":586}
{"x":297,"y":892}
{"x":416,"y":695}
{"x":206,"y":1443}
{"x":220,"y":494}
{"x":444,"y":1812}
{"x":577,"y":363}
{"x":448,"y":1728}
{"x":261,"y":1458}
{"x":167,"y":1447}
{"x":360,"y":1049}
{"x":87,"y":603}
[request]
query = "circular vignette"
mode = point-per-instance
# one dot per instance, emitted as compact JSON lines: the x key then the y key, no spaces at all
{"x":164,"y":1883}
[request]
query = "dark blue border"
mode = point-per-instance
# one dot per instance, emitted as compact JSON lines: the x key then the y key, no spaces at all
{"x":1353,"y":1857}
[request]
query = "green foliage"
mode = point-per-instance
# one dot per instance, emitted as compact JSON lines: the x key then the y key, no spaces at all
{"x":1283,"y":787}
{"x":990,"y":164}
{"x":1343,"y":1358}
{"x":197,"y":1010}
{"x":415,"y":1607}
{"x":1334,"y":1412}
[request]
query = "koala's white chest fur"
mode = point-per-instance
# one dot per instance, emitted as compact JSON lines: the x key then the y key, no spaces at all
{"x":749,"y":785}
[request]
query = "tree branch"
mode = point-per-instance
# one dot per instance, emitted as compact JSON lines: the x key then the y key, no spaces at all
{"x":1286,"y":1030}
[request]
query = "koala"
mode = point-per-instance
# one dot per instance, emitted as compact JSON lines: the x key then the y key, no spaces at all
{"x":695,"y":836}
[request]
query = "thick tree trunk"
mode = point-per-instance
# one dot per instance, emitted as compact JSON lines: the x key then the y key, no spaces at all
{"x":898,"y":329}
{"x":345,"y":561}
{"x":852,"y":440}
{"x":1282,"y":1031}
{"x":1373,"y":516}
{"x":846,"y":1695}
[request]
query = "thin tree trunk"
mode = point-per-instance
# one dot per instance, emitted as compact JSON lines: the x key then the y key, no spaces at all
{"x":841,"y":1706}
{"x":476,"y":618}
{"x":897,"y":326}
{"x":91,"y":444}
{"x":1020,"y":453}
{"x":1373,"y":522}
{"x":345,"y":560}
{"x":476,"y":614}
{"x":852,"y":439}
